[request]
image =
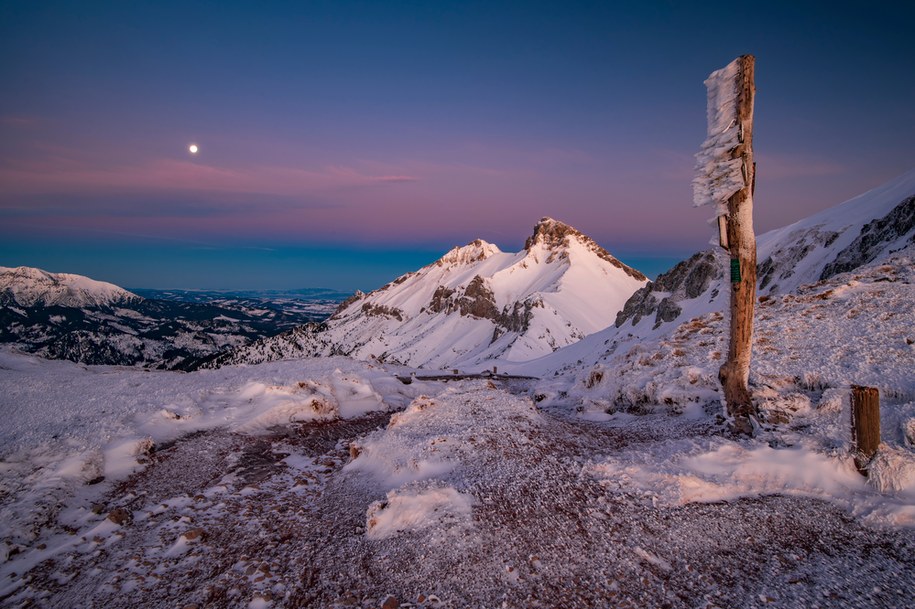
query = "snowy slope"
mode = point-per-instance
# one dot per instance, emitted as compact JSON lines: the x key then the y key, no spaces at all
{"x":474,"y":304}
{"x":28,"y":287}
{"x":854,"y":328}
{"x":865,"y":229}
{"x":861,"y":230}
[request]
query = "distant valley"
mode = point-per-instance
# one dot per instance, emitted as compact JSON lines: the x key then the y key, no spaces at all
{"x":64,"y":316}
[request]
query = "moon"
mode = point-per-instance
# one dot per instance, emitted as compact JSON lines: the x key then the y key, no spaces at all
{"x":193,"y":148}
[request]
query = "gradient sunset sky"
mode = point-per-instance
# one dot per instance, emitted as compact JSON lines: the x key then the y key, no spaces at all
{"x":345,"y":143}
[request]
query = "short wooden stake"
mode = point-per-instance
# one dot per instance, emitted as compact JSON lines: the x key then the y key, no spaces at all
{"x":865,"y":424}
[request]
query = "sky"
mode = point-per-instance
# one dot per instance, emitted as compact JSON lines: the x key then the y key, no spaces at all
{"x":343,"y":143}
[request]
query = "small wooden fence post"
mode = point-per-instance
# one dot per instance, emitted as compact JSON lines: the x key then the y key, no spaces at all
{"x":865,"y":424}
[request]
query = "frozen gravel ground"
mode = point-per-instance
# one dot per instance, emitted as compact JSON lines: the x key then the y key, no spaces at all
{"x":221,"y":519}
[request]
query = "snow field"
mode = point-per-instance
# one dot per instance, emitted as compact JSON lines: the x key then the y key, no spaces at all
{"x":422,"y":450}
{"x":69,"y":432}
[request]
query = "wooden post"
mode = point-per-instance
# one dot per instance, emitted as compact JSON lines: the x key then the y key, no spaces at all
{"x":741,"y":240}
{"x":865,"y":424}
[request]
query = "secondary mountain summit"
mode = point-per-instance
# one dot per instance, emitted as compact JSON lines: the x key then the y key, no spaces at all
{"x":475,"y":304}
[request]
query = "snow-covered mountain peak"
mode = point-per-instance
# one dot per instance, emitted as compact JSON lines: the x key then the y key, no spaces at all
{"x":475,"y":251}
{"x":552,"y":233}
{"x":476,"y":304}
{"x":29,"y":287}
{"x":557,"y":238}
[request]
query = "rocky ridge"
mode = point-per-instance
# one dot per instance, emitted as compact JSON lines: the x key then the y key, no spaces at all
{"x":865,"y":229}
{"x":473,"y":305}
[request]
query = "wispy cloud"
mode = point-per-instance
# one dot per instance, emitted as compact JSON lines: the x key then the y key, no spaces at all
{"x":19,"y":121}
{"x":62,"y":174}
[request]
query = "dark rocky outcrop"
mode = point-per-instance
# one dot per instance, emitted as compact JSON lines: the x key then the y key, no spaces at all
{"x":687,"y":280}
{"x":477,"y":300}
{"x":873,"y":238}
{"x":782,"y":262}
{"x":356,"y":297}
{"x":377,"y":310}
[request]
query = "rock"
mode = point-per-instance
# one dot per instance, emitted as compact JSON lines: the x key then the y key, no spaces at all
{"x":873,"y":238}
{"x":685,"y":281}
{"x":390,"y":602}
{"x":194,"y":535}
{"x":120,"y":516}
{"x":146,"y":446}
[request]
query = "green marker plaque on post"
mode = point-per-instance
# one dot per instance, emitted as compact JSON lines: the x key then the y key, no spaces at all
{"x":735,"y":270}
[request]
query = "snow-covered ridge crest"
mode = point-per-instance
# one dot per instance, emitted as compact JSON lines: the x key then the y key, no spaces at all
{"x":475,"y":304}
{"x":475,"y":251}
{"x":863,"y":230}
{"x":552,"y":234}
{"x":29,"y":287}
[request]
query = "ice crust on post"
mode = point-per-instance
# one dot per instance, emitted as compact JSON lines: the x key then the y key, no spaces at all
{"x":718,"y":176}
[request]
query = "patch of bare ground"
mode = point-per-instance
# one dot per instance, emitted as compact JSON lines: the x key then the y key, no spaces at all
{"x":223,"y":520}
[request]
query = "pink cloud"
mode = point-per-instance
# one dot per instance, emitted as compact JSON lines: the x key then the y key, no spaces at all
{"x":64,"y":175}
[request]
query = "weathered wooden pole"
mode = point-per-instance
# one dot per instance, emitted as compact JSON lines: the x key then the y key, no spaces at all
{"x":865,"y":424}
{"x":735,"y":372}
{"x":726,"y":178}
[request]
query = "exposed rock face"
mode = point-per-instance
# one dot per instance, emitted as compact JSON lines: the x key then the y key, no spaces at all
{"x":478,"y":301}
{"x":783,"y":261}
{"x":377,"y":310}
{"x":873,"y":239}
{"x":356,"y":297}
{"x":687,"y":280}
